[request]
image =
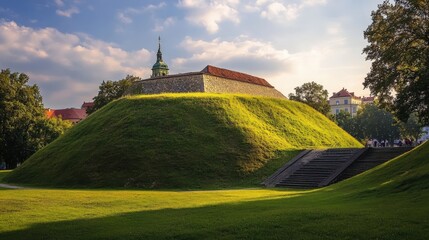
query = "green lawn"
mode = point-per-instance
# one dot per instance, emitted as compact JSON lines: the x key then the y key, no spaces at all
{"x":388,"y":202}
{"x":228,"y":214}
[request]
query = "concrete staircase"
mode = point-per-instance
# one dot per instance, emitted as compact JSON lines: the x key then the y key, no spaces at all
{"x":370,"y":159}
{"x":319,"y":168}
{"x":313,"y":168}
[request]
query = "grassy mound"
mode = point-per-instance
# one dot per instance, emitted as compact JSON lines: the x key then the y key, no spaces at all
{"x":181,"y":140}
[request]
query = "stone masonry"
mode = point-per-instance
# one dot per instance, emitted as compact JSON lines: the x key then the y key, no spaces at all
{"x":210,"y":80}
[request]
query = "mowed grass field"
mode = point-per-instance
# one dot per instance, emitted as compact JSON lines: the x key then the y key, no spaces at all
{"x":388,"y":202}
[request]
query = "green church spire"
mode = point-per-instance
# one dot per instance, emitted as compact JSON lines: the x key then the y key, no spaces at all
{"x":160,"y":68}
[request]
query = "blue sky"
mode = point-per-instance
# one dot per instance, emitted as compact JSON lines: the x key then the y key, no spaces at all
{"x":68,"y":47}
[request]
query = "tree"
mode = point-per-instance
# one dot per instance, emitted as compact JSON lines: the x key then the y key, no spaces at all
{"x":399,"y":48}
{"x":111,"y":90}
{"x":412,"y":129}
{"x":351,"y":125}
{"x":314,"y":95}
{"x":46,"y":130}
{"x":377,"y":123}
{"x":371,"y":122}
{"x":23,"y":125}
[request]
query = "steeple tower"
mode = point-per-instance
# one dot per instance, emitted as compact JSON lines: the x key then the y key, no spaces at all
{"x":160,"y":68}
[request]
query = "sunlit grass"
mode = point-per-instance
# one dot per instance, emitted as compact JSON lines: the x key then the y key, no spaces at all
{"x":388,"y":202}
{"x":22,"y":208}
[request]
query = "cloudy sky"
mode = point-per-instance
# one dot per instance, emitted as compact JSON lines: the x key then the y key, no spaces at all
{"x":68,"y":47}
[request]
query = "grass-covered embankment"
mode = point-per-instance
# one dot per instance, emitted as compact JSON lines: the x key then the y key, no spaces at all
{"x":3,"y":174}
{"x":388,"y":202}
{"x":181,"y":141}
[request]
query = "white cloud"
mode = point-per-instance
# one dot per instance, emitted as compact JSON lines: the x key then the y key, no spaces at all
{"x":59,"y":3}
{"x":67,"y":66}
{"x":154,"y":7}
{"x":313,"y":2}
{"x":243,"y":53}
{"x":280,"y":10}
{"x":211,"y":13}
{"x":225,"y":50}
{"x":68,"y":12}
{"x":191,"y":3}
{"x":161,"y":25}
{"x":125,"y":16}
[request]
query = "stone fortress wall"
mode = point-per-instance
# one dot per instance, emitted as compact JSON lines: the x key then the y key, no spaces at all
{"x":199,"y":82}
{"x":214,"y":84}
{"x":180,"y":83}
{"x":211,"y":80}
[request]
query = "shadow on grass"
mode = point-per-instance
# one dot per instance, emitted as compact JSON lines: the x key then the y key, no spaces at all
{"x":293,"y":218}
{"x":3,"y":174}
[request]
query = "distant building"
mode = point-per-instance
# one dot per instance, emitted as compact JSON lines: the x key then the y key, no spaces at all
{"x":87,"y":105}
{"x":211,"y":80}
{"x":368,"y":100}
{"x":73,"y":115}
{"x":347,"y":101}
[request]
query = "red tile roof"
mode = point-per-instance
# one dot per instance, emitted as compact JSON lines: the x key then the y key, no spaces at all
{"x":86,"y":105}
{"x":368,"y":99}
{"x":72,"y":114}
{"x":233,"y":75}
{"x":344,"y":93}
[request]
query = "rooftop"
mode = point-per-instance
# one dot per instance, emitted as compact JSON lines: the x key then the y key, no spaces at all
{"x":86,"y":105}
{"x":233,"y":75}
{"x":368,"y":99}
{"x":344,"y":93}
{"x":67,"y":114}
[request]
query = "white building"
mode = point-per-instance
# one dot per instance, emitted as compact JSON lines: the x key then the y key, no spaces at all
{"x":348,"y":102}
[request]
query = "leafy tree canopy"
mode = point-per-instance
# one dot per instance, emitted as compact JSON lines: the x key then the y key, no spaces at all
{"x":111,"y":90}
{"x":351,"y":125}
{"x":377,"y":123}
{"x":24,"y":127}
{"x":412,"y":129}
{"x":399,"y":50}
{"x":371,"y":122}
{"x":314,"y":95}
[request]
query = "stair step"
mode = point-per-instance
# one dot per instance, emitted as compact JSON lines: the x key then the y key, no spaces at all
{"x":312,"y":168}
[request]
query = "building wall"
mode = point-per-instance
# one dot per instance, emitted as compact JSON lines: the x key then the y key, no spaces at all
{"x":347,"y":104}
{"x":176,"y":84}
{"x":213,"y":84}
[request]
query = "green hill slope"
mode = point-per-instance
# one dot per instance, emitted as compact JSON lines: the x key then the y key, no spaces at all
{"x":181,"y":140}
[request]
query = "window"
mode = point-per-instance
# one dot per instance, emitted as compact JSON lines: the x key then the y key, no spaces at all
{"x":337,"y":111}
{"x":346,"y":101}
{"x":347,"y":110}
{"x":337,"y":102}
{"x":354,"y":109}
